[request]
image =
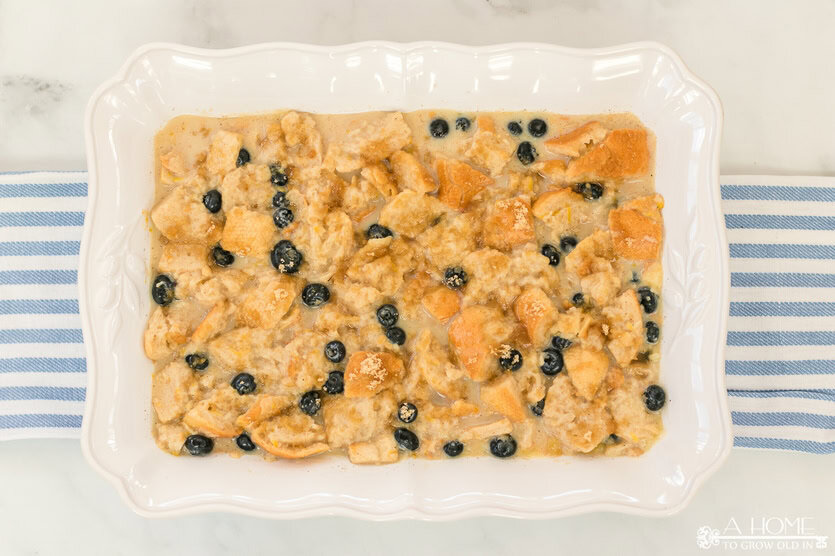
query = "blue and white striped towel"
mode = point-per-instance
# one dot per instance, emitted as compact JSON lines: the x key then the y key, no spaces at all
{"x":780,"y":359}
{"x":42,"y":368}
{"x":781,"y":339}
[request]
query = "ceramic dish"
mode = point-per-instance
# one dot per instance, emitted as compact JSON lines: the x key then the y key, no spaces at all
{"x":160,"y":81}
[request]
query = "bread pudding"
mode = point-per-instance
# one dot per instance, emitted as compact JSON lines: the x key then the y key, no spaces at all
{"x":383,"y":285}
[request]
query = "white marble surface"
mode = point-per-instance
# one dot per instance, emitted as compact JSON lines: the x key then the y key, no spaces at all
{"x":769,"y":60}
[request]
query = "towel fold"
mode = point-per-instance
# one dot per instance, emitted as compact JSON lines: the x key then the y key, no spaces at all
{"x":781,"y":335}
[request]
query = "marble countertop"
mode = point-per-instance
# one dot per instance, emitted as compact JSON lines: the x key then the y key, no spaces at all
{"x":769,"y":60}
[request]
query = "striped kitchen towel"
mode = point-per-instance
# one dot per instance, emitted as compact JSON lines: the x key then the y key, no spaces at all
{"x":42,"y":368}
{"x":781,"y":340}
{"x":780,"y":359}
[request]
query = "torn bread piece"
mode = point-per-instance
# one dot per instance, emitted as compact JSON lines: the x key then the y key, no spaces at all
{"x":502,"y":396}
{"x":509,"y":223}
{"x":623,"y":153}
{"x":409,"y":213}
{"x":368,"y":373}
{"x":171,"y":390}
{"x":637,"y":228}
{"x":577,"y":141}
{"x":536,"y":312}
{"x":442,"y":303}
{"x":586,"y":367}
{"x":579,"y":424}
{"x":181,"y":217}
{"x":372,"y":141}
{"x":562,"y":210}
{"x":382,"y":449}
{"x":248,"y":232}
{"x":626,"y":328}
{"x":410,"y":173}
{"x":474,"y":335}
{"x":291,"y":436}
{"x":217,"y":415}
{"x":459,"y":183}
{"x":489,"y":148}
{"x":223,"y":152}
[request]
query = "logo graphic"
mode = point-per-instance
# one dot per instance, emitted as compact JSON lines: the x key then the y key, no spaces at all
{"x":781,"y":534}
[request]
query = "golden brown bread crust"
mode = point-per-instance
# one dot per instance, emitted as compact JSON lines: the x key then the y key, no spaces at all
{"x":637,"y":228}
{"x":459,"y":183}
{"x":623,"y":153}
{"x":577,"y":141}
{"x":509,"y":224}
{"x":248,"y":232}
{"x":536,"y":312}
{"x":368,"y":373}
{"x":471,"y":342}
{"x":502,"y":396}
{"x":561,"y":209}
{"x":442,"y":303}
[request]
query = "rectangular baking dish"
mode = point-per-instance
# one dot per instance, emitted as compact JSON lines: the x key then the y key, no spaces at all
{"x":160,"y":81}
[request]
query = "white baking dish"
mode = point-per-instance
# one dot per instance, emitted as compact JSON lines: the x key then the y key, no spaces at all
{"x":161,"y":81}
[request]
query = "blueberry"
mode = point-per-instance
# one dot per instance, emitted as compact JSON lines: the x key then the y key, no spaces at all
{"x":407,"y":412}
{"x":568,"y":243}
{"x":244,"y":383}
{"x":387,"y":315}
{"x":652,"y":332}
{"x":396,"y":335}
{"x":310,"y":402}
{"x":635,"y":278}
{"x":462,"y":124}
{"x":243,"y":157}
{"x":503,"y":446}
{"x":590,"y":190}
{"x":560,"y":343}
{"x":453,"y":448}
{"x":285,"y":257}
{"x":162,"y":290}
{"x":375,"y":231}
{"x":315,"y":295}
{"x":537,"y":127}
{"x":551,"y":252}
{"x":511,"y":361}
{"x":654,"y":397}
{"x":197,"y":361}
{"x":648,"y":300}
{"x":612,"y":439}
{"x":280,"y":200}
{"x":538,"y":407}
{"x":515,"y":128}
{"x":213,"y":200}
{"x":335,"y":384}
{"x":199,"y":445}
{"x":551,"y":361}
{"x":406,"y":439}
{"x":438,"y":128}
{"x":643,"y":357}
{"x":244,"y":442}
{"x":277,"y":176}
{"x":526,"y":153}
{"x":282,"y":217}
{"x":455,"y":277}
{"x":335,"y":351}
{"x":578,"y":299}
{"x":221,"y":256}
